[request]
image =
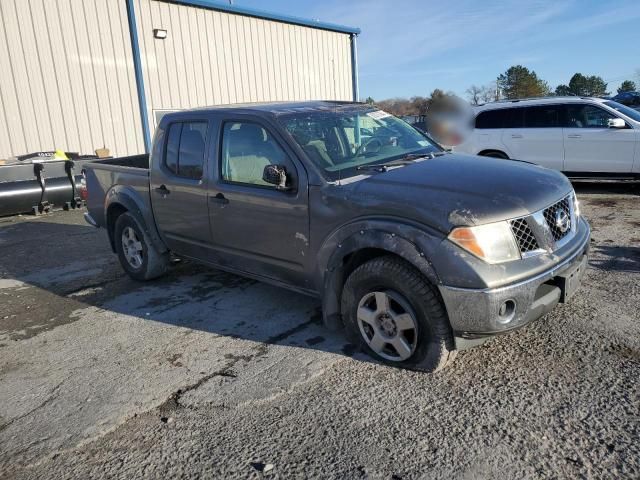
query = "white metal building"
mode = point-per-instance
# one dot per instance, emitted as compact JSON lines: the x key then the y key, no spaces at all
{"x":77,"y":75}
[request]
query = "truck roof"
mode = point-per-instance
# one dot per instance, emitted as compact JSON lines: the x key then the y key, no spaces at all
{"x":275,"y":108}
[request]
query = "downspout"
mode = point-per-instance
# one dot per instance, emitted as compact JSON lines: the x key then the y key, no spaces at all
{"x":354,"y":68}
{"x":137,"y":66}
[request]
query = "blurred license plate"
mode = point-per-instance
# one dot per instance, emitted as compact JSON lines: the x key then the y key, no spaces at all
{"x":569,"y":281}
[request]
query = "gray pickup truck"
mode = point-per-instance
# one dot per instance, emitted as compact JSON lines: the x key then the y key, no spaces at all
{"x":417,"y":252}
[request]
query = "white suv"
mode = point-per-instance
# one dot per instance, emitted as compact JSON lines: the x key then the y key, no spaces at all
{"x":582,"y":137}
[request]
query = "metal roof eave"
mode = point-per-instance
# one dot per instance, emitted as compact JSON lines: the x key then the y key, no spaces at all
{"x":250,"y":12}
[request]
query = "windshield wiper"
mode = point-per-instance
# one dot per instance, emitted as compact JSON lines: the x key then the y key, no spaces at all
{"x":406,"y":160}
{"x":415,"y":156}
{"x":382,"y":167}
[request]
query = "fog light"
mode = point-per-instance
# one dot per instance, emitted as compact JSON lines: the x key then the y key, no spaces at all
{"x":507,"y":311}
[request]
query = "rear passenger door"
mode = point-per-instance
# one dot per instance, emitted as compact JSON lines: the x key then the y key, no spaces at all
{"x":536,"y":135}
{"x":179,"y":187}
{"x":257,"y":228}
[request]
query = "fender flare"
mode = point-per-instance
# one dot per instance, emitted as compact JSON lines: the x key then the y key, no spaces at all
{"x":128,"y":198}
{"x":412,"y":243}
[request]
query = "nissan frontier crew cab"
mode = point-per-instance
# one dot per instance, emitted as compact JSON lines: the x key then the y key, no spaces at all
{"x":417,"y":252}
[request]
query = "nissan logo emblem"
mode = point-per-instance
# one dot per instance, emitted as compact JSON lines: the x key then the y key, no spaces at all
{"x":562,"y":220}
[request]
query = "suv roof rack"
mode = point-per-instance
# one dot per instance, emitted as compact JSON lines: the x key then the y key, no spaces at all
{"x":547,"y":97}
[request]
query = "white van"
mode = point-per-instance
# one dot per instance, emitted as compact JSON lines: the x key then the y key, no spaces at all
{"x":590,"y":138}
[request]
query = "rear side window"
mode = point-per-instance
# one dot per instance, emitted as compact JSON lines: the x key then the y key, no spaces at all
{"x":543,"y":116}
{"x":184,"y":155}
{"x":502,"y":118}
{"x":173,"y":144}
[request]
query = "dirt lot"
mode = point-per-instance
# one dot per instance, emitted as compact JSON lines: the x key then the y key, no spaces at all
{"x":207,"y":374}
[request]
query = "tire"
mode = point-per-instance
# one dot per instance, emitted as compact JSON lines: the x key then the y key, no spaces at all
{"x":428,"y":344}
{"x":129,"y":238}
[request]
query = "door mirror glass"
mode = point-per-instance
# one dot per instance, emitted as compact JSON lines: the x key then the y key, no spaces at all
{"x":617,"y":123}
{"x":275,"y":175}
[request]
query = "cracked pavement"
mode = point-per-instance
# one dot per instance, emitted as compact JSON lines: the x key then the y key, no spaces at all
{"x":206,"y":374}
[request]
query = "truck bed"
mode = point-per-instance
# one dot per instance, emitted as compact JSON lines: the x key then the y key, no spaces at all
{"x":122,"y":175}
{"x":133,"y":161}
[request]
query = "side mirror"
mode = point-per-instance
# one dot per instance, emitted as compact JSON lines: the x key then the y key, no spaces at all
{"x":617,"y":123}
{"x":276,"y":175}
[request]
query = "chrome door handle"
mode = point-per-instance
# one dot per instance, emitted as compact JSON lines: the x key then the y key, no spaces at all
{"x":515,"y":135}
{"x":574,"y":135}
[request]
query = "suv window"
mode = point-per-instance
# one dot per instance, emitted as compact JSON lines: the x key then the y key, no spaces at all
{"x":587,"y":116}
{"x":492,"y":119}
{"x":500,"y":118}
{"x":184,"y":155}
{"x":246,"y":149}
{"x":543,"y":116}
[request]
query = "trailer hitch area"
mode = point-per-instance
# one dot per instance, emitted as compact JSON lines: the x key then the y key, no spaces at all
{"x":43,"y":205}
{"x":76,"y":200}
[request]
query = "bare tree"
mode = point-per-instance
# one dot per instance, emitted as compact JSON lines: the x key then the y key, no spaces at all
{"x":489,"y":93}
{"x":475,"y":94}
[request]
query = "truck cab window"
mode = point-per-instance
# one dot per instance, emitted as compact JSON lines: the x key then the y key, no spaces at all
{"x":246,"y":149}
{"x":185,"y":149}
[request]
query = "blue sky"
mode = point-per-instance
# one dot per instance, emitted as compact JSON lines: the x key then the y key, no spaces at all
{"x":410,"y":47}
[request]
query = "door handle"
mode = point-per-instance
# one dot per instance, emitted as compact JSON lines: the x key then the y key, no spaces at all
{"x":574,"y":135}
{"x":516,"y":135}
{"x":219,"y":198}
{"x":162,"y":190}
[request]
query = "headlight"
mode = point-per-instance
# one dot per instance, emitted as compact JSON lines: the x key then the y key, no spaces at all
{"x":576,"y":205}
{"x":493,"y":242}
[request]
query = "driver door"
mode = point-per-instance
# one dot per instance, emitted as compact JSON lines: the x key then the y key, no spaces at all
{"x":591,"y":146}
{"x":257,"y":228}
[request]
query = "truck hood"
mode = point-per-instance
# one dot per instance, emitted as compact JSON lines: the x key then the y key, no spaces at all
{"x":457,"y":190}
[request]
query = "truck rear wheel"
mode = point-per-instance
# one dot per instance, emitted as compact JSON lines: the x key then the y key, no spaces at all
{"x":394,"y":314}
{"x":136,"y":253}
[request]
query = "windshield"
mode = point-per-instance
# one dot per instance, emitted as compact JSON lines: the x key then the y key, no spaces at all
{"x":341,"y":139}
{"x":629,"y":112}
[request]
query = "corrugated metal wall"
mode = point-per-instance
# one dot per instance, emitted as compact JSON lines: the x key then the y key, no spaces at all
{"x":67,"y":78}
{"x":211,"y":57}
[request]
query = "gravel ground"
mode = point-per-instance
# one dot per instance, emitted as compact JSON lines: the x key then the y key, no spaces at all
{"x":205,"y":374}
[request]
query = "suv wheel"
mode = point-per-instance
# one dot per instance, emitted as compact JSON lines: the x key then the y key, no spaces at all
{"x":135,"y":251}
{"x":394,"y":314}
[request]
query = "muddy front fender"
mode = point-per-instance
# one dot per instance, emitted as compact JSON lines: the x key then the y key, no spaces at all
{"x":412,"y":242}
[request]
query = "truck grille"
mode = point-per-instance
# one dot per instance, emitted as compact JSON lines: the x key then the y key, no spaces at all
{"x":544,"y":230}
{"x":553,"y":216}
{"x":524,"y":236}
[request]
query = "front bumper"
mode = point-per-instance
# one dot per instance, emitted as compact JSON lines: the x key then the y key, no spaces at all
{"x":480,"y":313}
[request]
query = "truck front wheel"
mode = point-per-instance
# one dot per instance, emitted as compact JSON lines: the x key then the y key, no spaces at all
{"x":136,"y":253}
{"x":395,"y":315}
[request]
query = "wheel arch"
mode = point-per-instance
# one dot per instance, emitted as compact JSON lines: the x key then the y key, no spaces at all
{"x":358,"y":243}
{"x":493,"y":152}
{"x":122,"y":199}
